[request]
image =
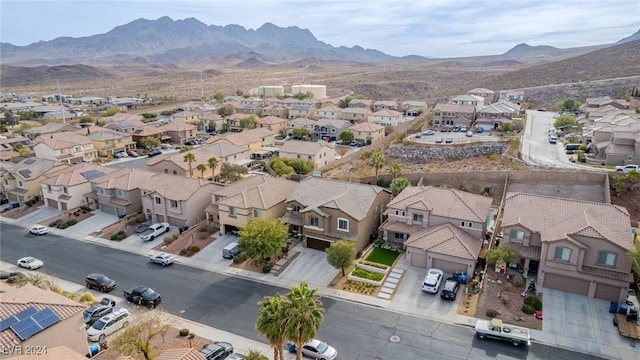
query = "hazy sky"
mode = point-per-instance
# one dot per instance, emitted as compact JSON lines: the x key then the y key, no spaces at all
{"x":441,"y":28}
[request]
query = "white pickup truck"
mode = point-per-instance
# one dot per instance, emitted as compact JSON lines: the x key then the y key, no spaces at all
{"x":495,"y":329}
{"x":627,"y":168}
{"x":154,"y":231}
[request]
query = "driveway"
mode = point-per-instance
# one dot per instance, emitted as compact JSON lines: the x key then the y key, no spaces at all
{"x":311,"y":266}
{"x":98,"y":221}
{"x":213,"y":251}
{"x":134,"y":240}
{"x":43,"y":213}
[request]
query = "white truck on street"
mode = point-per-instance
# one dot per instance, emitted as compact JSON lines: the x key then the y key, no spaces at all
{"x":154,"y":231}
{"x":495,"y":329}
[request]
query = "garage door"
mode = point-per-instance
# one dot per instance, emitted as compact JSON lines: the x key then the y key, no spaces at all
{"x":64,"y":206}
{"x":607,"y":292}
{"x":568,"y":284}
{"x":449,"y":267}
{"x":418,"y":259}
{"x":109,"y":209}
{"x":52,"y":203}
{"x":313,"y":243}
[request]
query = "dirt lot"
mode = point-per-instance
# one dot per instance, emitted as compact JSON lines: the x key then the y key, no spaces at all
{"x":631,"y":201}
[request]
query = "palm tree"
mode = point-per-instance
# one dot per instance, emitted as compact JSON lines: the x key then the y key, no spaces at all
{"x":189,"y":158}
{"x":377,"y":162}
{"x":395,"y":169}
{"x":213,"y":164}
{"x":304,"y":314}
{"x":271,"y":321}
{"x":201,"y":168}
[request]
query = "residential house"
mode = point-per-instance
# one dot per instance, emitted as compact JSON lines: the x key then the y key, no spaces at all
{"x":354,"y":115}
{"x":323,"y":211}
{"x":320,"y":152}
{"x":615,"y":139}
{"x":180,"y":133}
{"x":126,"y":126}
{"x":163,"y":201}
{"x":602,"y":101}
{"x":186,"y":117}
{"x":301,"y":123}
{"x":450,"y":115}
{"x":65,"y":189}
{"x":58,"y":318}
{"x":386,"y":118}
{"x":328,"y":130}
{"x":246,"y":139}
{"x":440,"y":228}
{"x":248,"y":108}
{"x":486,"y":94}
{"x":210,"y":120}
{"x":234,"y":205}
{"x":180,"y":354}
{"x":413,"y":108}
{"x":277,"y":110}
{"x":122,"y":116}
{"x":174,"y":164}
{"x":233,"y":121}
{"x":49,"y":128}
{"x":385,"y":105}
{"x":273,"y":123}
{"x":118,"y":192}
{"x":367,"y":132}
{"x":65,"y":147}
{"x":361,"y":103}
{"x":515,"y":96}
{"x":109,"y":142}
{"x":328,"y":112}
{"x":7,"y":145}
{"x":88,"y":130}
{"x":302,"y":110}
{"x":573,"y":245}
{"x":491,"y":117}
{"x":159,"y":133}
{"x":21,"y":181}
{"x":472,"y":100}
{"x":588,"y":118}
{"x":266,"y":136}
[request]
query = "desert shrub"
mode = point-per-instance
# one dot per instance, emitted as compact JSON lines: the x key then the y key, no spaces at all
{"x":504,"y":300}
{"x":120,"y":232}
{"x":518,"y":281}
{"x":203,"y":235}
{"x":87,"y":296}
{"x":266,"y":269}
{"x":72,"y":222}
{"x":63,"y":226}
{"x":121,"y":237}
{"x":203,"y":228}
{"x":508,"y":287}
{"x":184,"y":332}
{"x":132,"y":221}
{"x":55,"y":223}
{"x":114,"y":237}
{"x":140,"y":219}
{"x":528,"y":309}
{"x":366,"y":274}
{"x":534,"y":302}
{"x":169,"y":239}
{"x":84,"y":207}
{"x":284,"y":250}
{"x":491,"y":313}
{"x":77,"y":213}
{"x":241,"y":257}
{"x":267,"y":259}
{"x":72,"y":296}
{"x":194,"y":248}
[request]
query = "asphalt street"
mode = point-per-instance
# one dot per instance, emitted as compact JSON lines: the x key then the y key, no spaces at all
{"x":358,"y":331}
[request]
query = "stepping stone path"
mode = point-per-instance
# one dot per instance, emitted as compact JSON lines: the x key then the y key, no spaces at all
{"x":390,"y":284}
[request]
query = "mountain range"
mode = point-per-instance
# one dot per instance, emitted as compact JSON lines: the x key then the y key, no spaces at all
{"x":183,"y":41}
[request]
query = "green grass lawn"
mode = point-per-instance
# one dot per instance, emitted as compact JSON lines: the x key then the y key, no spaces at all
{"x":382,"y":256}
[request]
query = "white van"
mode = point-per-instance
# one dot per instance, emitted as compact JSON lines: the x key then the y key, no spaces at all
{"x":231,"y":250}
{"x":108,"y":324}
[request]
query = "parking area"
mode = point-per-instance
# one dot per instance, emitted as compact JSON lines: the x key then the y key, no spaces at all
{"x":43,"y":213}
{"x":213,"y":251}
{"x":134,"y":240}
{"x":440,"y":137}
{"x":311,"y":266}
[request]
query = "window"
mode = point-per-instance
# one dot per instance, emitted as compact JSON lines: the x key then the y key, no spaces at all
{"x":166,"y":171}
{"x":173,"y":203}
{"x":102,"y":191}
{"x":470,"y":224}
{"x":343,"y":224}
{"x":562,"y":254}
{"x":517,"y":234}
{"x":257,"y":213}
{"x":462,"y":224}
{"x":399,"y":236}
{"x":218,"y":198}
{"x":232,"y":211}
{"x":397,"y":212}
{"x":65,"y":190}
{"x":20,"y":183}
{"x":49,"y":188}
{"x":295,"y":208}
{"x":175,"y":172}
{"x":158,"y":200}
{"x":606,"y":258}
{"x":417,"y":217}
{"x":314,"y":221}
{"x":120,"y":193}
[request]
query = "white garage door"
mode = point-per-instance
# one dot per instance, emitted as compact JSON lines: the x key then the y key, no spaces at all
{"x":418,"y":259}
{"x":449,"y":267}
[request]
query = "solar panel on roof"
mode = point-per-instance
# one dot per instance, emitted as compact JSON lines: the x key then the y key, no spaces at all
{"x":30,"y":161}
{"x":24,"y":314}
{"x":26,"y":328}
{"x":6,"y":323}
{"x":46,"y":318}
{"x":91,"y":174}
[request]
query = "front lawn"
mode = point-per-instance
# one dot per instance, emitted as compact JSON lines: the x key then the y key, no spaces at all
{"x":383,"y":256}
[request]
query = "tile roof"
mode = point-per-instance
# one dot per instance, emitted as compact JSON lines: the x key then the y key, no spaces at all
{"x":32,"y":168}
{"x":108,"y":135}
{"x":64,"y":140}
{"x":124,"y":179}
{"x":15,"y":300}
{"x":89,"y":130}
{"x":401,"y":227}
{"x":54,"y":353}
{"x":301,"y":121}
{"x":367,"y":127}
{"x":125,"y":124}
{"x":50,"y":128}
{"x":387,"y":112}
{"x":448,"y":203}
{"x":338,"y":123}
{"x":531,"y":251}
{"x":243,"y":138}
{"x":454,"y":108}
{"x":176,"y":187}
{"x":270,"y":120}
{"x":446,"y":239}
{"x":260,"y":132}
{"x":178,"y":127}
{"x":353,"y":199}
{"x":180,"y":354}
{"x":354,"y":110}
{"x":259,"y":192}
{"x":303,"y":147}
{"x":607,"y":273}
{"x":122,"y":117}
{"x":148,"y":131}
{"x":557,"y":218}
{"x":73,"y":175}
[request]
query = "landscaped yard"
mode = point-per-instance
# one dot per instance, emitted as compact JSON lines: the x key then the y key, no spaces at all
{"x":383,"y":256}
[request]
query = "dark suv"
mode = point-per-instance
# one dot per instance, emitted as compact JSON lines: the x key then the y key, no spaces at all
{"x":450,"y":289}
{"x":94,"y":313}
{"x":217,"y":351}
{"x":100,"y":282}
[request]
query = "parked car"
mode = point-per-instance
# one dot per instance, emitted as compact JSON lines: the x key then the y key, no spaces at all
{"x":448,"y":140}
{"x":163,"y":259}
{"x":317,"y":349}
{"x":428,"y":132}
{"x":166,"y":146}
{"x":94,"y":313}
{"x":132,"y":153}
{"x":469,"y":134}
{"x":553,"y":139}
{"x":120,"y":155}
{"x":456,"y":128}
{"x":99,"y":282}
{"x":432,"y":281}
{"x":463,"y":129}
{"x":154,"y":231}
{"x":450,"y":289}
{"x":439,"y":141}
{"x":9,"y":206}
{"x":480,"y":130}
{"x":627,"y":168}
{"x":217,"y":351}
{"x":108,"y":324}
{"x":154,"y":152}
{"x":418,"y":135}
{"x":30,"y":263}
{"x":142,"y":295}
{"x":38,"y":229}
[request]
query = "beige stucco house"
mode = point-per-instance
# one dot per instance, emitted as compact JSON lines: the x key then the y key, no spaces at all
{"x":180,"y":133}
{"x":367,"y":132}
{"x":109,"y":142}
{"x":324,"y":210}
{"x":49,"y":128}
{"x":354,"y":115}
{"x":450,"y":115}
{"x":273,"y":123}
{"x":234,"y":205}
{"x":577,"y":246}
{"x":21,"y":181}
{"x":320,"y":152}
{"x":441,"y":228}
{"x":186,"y":117}
{"x":245,"y":139}
{"x":65,"y":147}
{"x":386,"y":118}
{"x":65,"y":189}
{"x":118,"y":192}
{"x":174,"y":164}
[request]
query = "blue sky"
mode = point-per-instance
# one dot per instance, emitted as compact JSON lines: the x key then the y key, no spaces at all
{"x":440,"y":28}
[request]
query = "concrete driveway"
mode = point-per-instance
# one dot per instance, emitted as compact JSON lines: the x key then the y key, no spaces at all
{"x":134,"y":240}
{"x":42,"y":214}
{"x":98,"y":221}
{"x":213,"y":251}
{"x":311,"y":266}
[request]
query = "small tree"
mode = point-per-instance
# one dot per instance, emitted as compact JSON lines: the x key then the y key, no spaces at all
{"x":344,"y":102}
{"x":226,"y":110}
{"x":263,"y":237}
{"x":563,"y":121}
{"x":137,"y":337}
{"x":300,"y":133}
{"x":399,"y":184}
{"x":395,"y":170}
{"x":149,"y":142}
{"x":505,"y":253}
{"x":201,"y":168}
{"x":280,"y":167}
{"x":213,"y":164}
{"x":301,"y":166}
{"x":248,"y":122}
{"x":506,"y":127}
{"x":377,"y":162}
{"x":186,"y":148}
{"x":256,"y":355}
{"x":219,"y":96}
{"x":346,"y":136}
{"x":231,"y":172}
{"x":86,"y":119}
{"x":341,"y":254}
{"x":189,"y":158}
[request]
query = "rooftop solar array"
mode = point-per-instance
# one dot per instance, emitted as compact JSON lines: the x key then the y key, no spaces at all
{"x":29,"y":322}
{"x":91,"y":174}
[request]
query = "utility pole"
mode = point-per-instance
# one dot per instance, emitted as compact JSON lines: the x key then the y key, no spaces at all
{"x":201,"y":87}
{"x":64,"y":121}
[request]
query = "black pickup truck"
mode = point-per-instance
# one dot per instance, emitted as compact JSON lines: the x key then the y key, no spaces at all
{"x":142,"y":295}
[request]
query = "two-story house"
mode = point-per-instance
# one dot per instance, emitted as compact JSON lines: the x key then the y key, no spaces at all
{"x":450,"y":115}
{"x":186,"y":117}
{"x":575,"y":246}
{"x":413,"y":108}
{"x":320,"y":153}
{"x":484,"y":93}
{"x":273,"y":123}
{"x":49,"y":128}
{"x":246,"y":139}
{"x":385,"y":105}
{"x":328,"y":112}
{"x":249,"y":108}
{"x":7,"y":146}
{"x":301,"y":123}
{"x":124,"y":126}
{"x":163,"y":201}
{"x":328,"y":130}
{"x":64,"y":147}
{"x":267,"y":137}
{"x":277,"y":110}
{"x":234,"y":205}
{"x":65,"y":189}
{"x":174,"y":164}
{"x":232,"y":122}
{"x":367,"y":132}
{"x":323,"y":211}
{"x":386,"y":118}
{"x":361,"y":103}
{"x":441,"y":228}
{"x":118,"y":192}
{"x":492,"y":116}
{"x":109,"y":142}
{"x":21,"y":181}
{"x":150,"y":131}
{"x":515,"y":96}
{"x":354,"y":115}
{"x":472,"y":100}
{"x":302,"y":111}
{"x":180,"y":133}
